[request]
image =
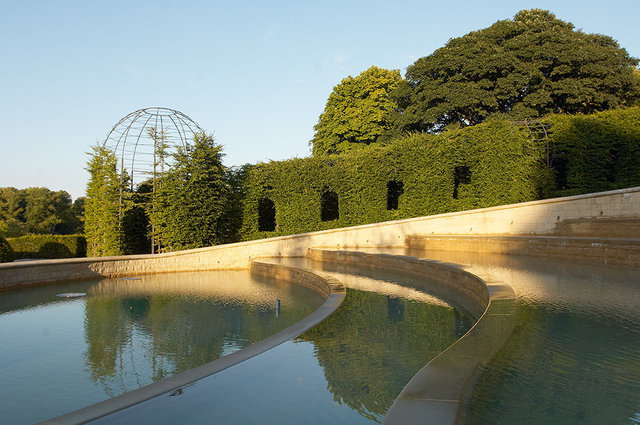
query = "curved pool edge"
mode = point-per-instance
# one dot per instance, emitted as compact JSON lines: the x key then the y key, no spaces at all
{"x":441,"y":391}
{"x":328,"y":287}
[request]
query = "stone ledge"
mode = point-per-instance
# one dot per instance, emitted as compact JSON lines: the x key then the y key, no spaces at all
{"x":614,"y":251}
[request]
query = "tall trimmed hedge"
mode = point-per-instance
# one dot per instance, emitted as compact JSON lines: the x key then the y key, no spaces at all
{"x":49,"y":246}
{"x":497,"y":156}
{"x":495,"y":163}
{"x":593,"y":153}
{"x":6,"y":252}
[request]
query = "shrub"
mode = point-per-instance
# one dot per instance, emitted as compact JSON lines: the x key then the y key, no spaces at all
{"x":6,"y":252}
{"x":49,"y":246}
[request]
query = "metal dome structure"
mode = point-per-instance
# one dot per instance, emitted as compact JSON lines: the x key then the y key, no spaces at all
{"x":144,"y":140}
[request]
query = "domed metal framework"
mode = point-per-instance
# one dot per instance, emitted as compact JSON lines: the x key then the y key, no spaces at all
{"x":143,"y":142}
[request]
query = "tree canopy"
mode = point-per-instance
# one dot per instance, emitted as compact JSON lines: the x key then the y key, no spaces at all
{"x":530,"y":66}
{"x":38,"y":210}
{"x":357,"y":112}
{"x":190,"y":198}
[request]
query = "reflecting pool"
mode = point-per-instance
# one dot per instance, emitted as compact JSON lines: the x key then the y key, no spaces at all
{"x":61,"y":354}
{"x":346,"y":370}
{"x":574,"y":357}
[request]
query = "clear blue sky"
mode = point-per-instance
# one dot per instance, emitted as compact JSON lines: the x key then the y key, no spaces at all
{"x":255,"y":74}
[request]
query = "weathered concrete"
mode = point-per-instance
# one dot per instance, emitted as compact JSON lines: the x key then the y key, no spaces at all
{"x":529,"y":218}
{"x":619,"y":252}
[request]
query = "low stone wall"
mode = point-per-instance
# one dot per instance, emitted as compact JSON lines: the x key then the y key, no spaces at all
{"x":619,"y":252}
{"x":529,"y":218}
{"x":448,"y":281}
{"x":323,"y":285}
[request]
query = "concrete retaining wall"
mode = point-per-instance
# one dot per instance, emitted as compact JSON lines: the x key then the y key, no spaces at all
{"x":448,"y":281}
{"x":529,"y":218}
{"x":619,"y":252}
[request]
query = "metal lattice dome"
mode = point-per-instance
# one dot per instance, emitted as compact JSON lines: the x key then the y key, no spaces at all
{"x":144,"y":140}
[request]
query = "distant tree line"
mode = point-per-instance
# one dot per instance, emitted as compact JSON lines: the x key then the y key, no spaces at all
{"x":38,"y":210}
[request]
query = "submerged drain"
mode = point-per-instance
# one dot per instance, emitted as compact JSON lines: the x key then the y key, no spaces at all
{"x":71,"y":294}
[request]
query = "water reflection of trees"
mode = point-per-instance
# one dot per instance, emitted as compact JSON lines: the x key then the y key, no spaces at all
{"x":374,"y":344}
{"x":134,"y":339}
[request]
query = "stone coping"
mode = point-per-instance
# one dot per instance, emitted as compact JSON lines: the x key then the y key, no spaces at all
{"x":331,"y":290}
{"x":527,"y":218}
{"x":441,"y":391}
{"x":610,"y":251}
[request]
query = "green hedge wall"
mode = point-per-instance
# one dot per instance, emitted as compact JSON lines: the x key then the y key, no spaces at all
{"x":594,"y":153}
{"x":6,"y":252}
{"x":505,"y":163}
{"x":49,"y":246}
{"x":503,"y":169}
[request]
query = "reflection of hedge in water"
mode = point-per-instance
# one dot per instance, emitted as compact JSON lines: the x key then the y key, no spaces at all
{"x":560,"y":368}
{"x":133,"y":341}
{"x":374,"y":344}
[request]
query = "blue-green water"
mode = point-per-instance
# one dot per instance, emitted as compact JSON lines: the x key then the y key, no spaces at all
{"x":346,"y":370}
{"x":574,"y":357}
{"x":58,"y":355}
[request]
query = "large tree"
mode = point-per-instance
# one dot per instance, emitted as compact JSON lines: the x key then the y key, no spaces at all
{"x":526,"y":67}
{"x":190,"y":198}
{"x":357,"y":112}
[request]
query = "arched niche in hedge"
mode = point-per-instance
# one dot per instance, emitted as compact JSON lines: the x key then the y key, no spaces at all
{"x":461,"y":175}
{"x":329,"y":208}
{"x":395,"y":188}
{"x":266,"y":215}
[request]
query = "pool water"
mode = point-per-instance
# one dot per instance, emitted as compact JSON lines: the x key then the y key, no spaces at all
{"x":346,"y":370}
{"x":61,"y":354}
{"x":574,"y":357}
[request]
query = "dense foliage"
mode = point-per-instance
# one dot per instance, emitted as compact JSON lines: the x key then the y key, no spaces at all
{"x":494,"y":163}
{"x":187,"y":206}
{"x":38,"y":210}
{"x":502,"y":168}
{"x":190,"y":199}
{"x":530,"y":66}
{"x":103,"y":209}
{"x":592,"y":153}
{"x":49,"y":246}
{"x":6,"y":252}
{"x":357,"y":112}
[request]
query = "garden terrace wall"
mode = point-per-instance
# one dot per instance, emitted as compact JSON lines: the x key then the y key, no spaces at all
{"x":529,"y":218}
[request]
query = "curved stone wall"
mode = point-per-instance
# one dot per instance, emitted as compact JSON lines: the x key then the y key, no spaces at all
{"x":441,"y":390}
{"x":529,"y":218}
